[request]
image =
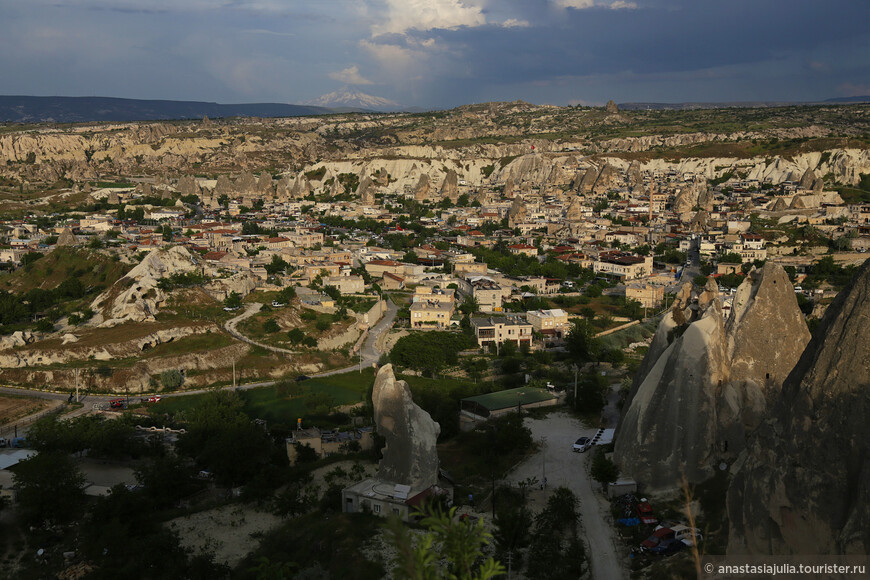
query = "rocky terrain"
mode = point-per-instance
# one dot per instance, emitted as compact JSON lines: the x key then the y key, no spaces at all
{"x":483,"y":144}
{"x":708,"y":379}
{"x":801,"y":487}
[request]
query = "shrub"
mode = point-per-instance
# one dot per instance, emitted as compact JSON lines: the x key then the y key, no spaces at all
{"x":171,"y":379}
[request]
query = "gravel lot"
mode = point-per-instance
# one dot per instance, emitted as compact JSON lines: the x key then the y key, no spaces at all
{"x":563,"y":467}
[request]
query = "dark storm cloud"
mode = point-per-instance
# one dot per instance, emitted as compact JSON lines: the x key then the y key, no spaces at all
{"x":693,"y":36}
{"x":438,"y":52}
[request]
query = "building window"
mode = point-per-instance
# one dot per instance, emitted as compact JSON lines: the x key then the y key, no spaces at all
{"x":377,"y":508}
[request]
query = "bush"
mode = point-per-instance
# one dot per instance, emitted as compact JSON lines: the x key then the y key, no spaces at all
{"x":430,"y":351}
{"x":271,"y":325}
{"x":171,"y":379}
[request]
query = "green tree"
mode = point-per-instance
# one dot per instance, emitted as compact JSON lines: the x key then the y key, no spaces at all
{"x":556,"y":550}
{"x":469,"y":306}
{"x":222,"y":438}
{"x":603,"y":470}
{"x":730,"y":258}
{"x":459,"y":544}
{"x":276,"y":266}
{"x":50,"y":488}
{"x":581,"y":341}
{"x":286,"y":295}
{"x":234,"y":300}
{"x":271,"y":325}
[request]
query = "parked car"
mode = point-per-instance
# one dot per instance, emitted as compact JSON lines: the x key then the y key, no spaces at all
{"x":117,"y":403}
{"x":645,"y":513}
{"x":582,"y":445}
{"x":668,"y":547}
{"x":277,"y":304}
{"x":301,"y":378}
{"x":153,"y":399}
{"x":657,"y":537}
{"x":686,"y":534}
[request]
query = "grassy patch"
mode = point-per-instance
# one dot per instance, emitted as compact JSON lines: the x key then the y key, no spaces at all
{"x":92,"y":268}
{"x":274,"y":406}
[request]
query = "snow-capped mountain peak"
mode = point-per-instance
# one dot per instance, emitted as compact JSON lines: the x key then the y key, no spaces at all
{"x":352,"y":98}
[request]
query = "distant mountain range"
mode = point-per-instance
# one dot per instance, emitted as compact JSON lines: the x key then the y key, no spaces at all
{"x":351,"y":98}
{"x":24,"y":109}
{"x":740,"y":104}
{"x":27,"y":109}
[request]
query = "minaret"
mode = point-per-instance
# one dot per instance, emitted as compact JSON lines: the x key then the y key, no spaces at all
{"x":652,"y":187}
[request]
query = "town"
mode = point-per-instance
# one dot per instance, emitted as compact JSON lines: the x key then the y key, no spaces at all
{"x":204,"y":313}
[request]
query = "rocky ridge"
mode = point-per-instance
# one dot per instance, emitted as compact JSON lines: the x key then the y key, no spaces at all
{"x":802,"y":486}
{"x":707,"y":380}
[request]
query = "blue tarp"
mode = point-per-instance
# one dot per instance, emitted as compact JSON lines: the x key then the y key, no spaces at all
{"x":629,"y":521}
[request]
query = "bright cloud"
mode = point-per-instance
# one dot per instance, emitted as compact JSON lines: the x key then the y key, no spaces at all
{"x":422,"y":15}
{"x":514,"y":23}
{"x":584,"y":4}
{"x":350,"y":76}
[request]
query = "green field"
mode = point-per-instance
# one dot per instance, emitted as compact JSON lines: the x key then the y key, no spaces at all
{"x":270,"y":404}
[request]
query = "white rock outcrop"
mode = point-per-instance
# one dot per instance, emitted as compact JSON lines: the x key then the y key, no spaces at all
{"x":136,"y":297}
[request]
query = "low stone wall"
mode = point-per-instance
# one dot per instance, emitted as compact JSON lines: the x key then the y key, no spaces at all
{"x":370,"y":318}
{"x":618,"y":328}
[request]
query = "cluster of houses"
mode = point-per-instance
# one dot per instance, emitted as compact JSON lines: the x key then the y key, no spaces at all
{"x":610,"y":231}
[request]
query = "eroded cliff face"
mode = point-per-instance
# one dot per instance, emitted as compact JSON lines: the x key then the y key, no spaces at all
{"x":707,"y":380}
{"x":803,"y":484}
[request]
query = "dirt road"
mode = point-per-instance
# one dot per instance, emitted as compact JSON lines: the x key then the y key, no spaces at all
{"x":563,"y":467}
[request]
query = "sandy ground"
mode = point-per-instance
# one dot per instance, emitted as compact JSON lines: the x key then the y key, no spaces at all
{"x":230,"y":532}
{"x":12,"y":408}
{"x":563,"y":467}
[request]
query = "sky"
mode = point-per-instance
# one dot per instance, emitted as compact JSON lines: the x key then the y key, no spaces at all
{"x":438,"y":53}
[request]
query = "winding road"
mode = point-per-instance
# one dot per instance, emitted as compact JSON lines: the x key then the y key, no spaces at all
{"x":369,"y":350}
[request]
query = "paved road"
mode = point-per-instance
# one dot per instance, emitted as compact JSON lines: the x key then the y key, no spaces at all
{"x":565,"y":468}
{"x":369,"y":349}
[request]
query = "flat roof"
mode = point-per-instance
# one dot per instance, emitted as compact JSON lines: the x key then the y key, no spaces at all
{"x":11,"y":457}
{"x":511,"y":398}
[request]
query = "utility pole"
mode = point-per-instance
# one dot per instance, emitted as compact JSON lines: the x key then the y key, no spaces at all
{"x":544,"y":462}
{"x":575,"y":385}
